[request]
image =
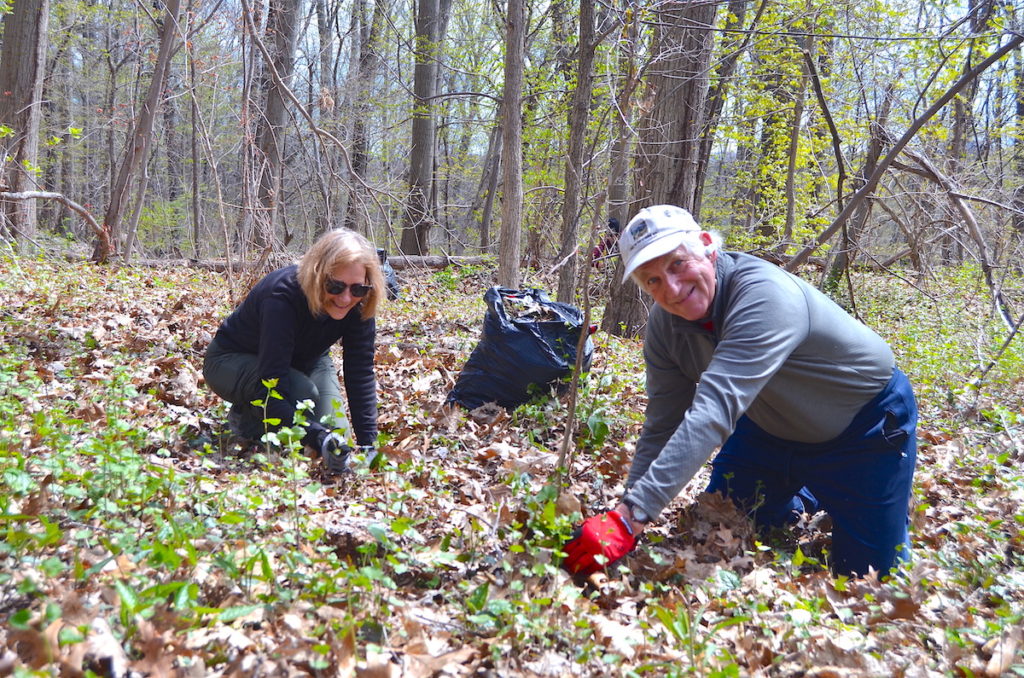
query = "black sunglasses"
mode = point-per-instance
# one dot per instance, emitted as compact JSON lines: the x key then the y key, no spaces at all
{"x":337,"y":287}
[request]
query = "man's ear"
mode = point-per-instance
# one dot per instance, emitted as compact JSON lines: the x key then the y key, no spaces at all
{"x":706,"y":238}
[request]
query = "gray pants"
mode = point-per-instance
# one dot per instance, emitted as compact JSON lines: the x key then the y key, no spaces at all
{"x":234,"y":377}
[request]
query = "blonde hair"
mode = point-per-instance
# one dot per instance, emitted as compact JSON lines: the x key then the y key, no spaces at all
{"x":340,"y":247}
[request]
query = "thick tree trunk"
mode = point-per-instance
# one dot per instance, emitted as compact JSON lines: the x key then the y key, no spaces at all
{"x":512,"y":143}
{"x":281,"y":32}
{"x":677,"y":83}
{"x":21,"y":85}
{"x":419,"y":210}
{"x":668,"y":149}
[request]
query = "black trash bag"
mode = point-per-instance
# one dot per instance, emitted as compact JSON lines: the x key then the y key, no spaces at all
{"x":528,"y":343}
{"x":390,"y":277}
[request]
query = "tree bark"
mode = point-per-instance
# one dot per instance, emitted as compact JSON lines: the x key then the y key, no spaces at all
{"x":980,"y":14}
{"x":512,"y":143}
{"x":677,"y":82}
{"x":794,"y":142}
{"x":21,"y":85}
{"x":419,"y":210}
{"x":481,"y":209}
{"x":331,"y":193}
{"x":668,"y":149}
{"x":281,"y":32}
{"x":358,"y":87}
{"x":626,"y":312}
{"x":733,"y":48}
{"x":1018,"y":164}
{"x":578,"y":117}
{"x":197,"y":215}
{"x":138,"y":146}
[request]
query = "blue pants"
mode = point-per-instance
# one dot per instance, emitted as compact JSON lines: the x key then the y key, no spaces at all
{"x":862,"y":479}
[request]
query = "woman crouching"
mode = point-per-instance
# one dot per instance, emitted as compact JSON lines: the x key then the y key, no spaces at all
{"x":283,"y":330}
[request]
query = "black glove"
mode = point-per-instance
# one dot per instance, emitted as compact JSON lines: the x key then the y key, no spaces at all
{"x":335,"y":453}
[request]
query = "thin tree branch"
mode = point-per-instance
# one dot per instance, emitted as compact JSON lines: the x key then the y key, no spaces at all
{"x":279,"y":82}
{"x":833,"y":132}
{"x":932,"y":173}
{"x":99,"y":231}
{"x":883,"y":166}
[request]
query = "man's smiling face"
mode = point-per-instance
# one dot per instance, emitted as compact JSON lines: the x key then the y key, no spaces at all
{"x":681,"y":282}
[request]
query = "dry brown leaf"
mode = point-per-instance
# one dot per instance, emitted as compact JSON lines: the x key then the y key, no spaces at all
{"x":1002,"y":653}
{"x":568,"y":504}
{"x":621,"y":639}
{"x":156,"y":662}
{"x":103,"y":649}
{"x":378,"y":665}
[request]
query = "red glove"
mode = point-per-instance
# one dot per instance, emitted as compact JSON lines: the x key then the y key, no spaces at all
{"x":606,"y":534}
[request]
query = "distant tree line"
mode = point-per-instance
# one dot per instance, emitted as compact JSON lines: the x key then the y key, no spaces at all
{"x":243,"y":128}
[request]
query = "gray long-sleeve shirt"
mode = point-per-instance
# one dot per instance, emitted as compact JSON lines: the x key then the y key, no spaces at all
{"x":774,"y":348}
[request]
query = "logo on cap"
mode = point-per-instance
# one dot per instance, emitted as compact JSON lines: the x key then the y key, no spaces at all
{"x":640,"y":229}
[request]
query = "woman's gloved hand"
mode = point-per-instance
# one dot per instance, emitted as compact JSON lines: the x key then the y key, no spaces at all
{"x":334,"y":452}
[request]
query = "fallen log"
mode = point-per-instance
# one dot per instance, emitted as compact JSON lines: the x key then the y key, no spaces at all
{"x":402,"y":261}
{"x":398,"y":261}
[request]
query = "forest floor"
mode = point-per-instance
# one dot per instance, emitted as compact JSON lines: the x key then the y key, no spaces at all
{"x":139,"y":537}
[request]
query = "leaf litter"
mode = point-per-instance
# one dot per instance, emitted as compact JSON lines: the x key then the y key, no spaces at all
{"x":142,"y":539}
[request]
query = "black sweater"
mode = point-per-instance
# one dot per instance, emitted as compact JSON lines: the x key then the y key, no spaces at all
{"x":275,"y":324}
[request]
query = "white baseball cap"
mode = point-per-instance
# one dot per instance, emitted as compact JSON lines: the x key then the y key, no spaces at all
{"x":654,"y":231}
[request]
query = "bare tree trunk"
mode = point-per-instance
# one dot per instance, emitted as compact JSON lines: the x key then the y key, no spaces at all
{"x":794,"y":143}
{"x":481,"y":208}
{"x":56,"y":101}
{"x":197,"y":215}
{"x":172,"y":145}
{"x":668,"y":151}
{"x":419,"y":211}
{"x":21,"y":85}
{"x":980,"y":13}
{"x":1018,"y":147}
{"x":512,"y":143}
{"x":357,"y":85}
{"x":138,"y":146}
{"x":574,"y":158}
{"x":626,"y":311}
{"x":669,"y":145}
{"x":332,"y":193}
{"x":281,"y":32}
